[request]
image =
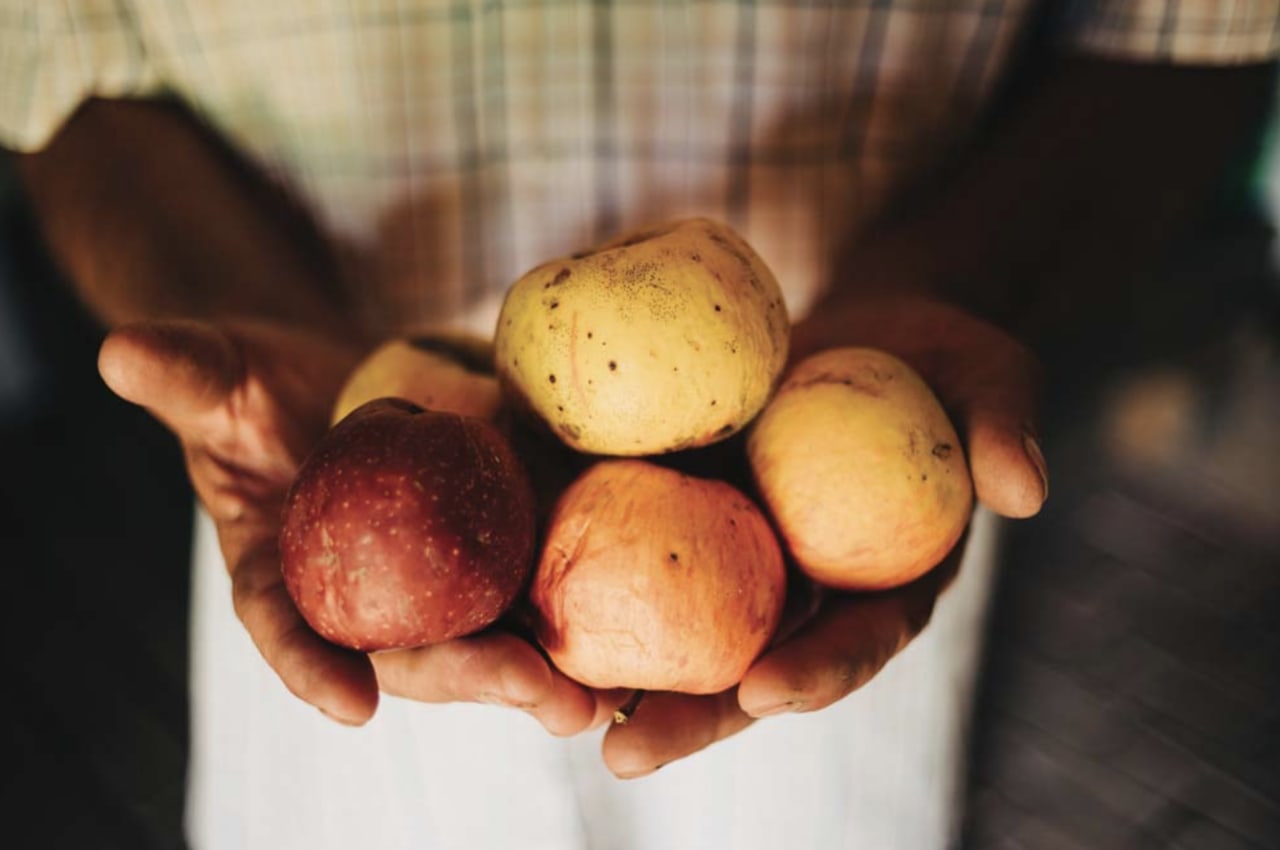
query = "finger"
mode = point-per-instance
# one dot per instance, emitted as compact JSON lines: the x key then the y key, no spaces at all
{"x":174,"y":368}
{"x":846,"y":645}
{"x":337,"y":681}
{"x":494,"y":667}
{"x":666,"y":727}
{"x":232,"y":492}
{"x":843,"y":647}
{"x":997,"y":414}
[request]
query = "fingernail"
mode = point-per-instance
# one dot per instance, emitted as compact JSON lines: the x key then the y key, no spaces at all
{"x":790,"y":705}
{"x":336,"y":719}
{"x":1032,"y":448}
{"x":642,"y":772}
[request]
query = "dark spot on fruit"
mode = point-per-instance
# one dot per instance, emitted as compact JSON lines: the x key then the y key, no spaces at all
{"x":590,"y":335}
{"x":560,"y":407}
{"x":924,"y":476}
{"x":561,"y":277}
{"x":713,"y":402}
{"x":613,"y":366}
{"x":696,"y":257}
{"x":551,"y":378}
{"x":717,"y":308}
{"x":554,"y":304}
{"x":673,"y":557}
{"x":942,"y":451}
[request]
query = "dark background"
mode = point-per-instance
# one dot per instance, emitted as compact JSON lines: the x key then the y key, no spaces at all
{"x":95,"y":517}
{"x":1131,"y":695}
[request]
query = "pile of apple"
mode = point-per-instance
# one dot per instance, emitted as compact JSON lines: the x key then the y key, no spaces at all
{"x":562,"y":473}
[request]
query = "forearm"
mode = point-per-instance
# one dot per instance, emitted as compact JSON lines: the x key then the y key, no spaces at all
{"x":1072,"y":193}
{"x":150,"y":217}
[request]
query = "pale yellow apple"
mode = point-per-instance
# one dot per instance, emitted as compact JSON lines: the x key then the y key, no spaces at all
{"x":861,"y":469}
{"x":448,"y":375}
{"x":662,"y":340}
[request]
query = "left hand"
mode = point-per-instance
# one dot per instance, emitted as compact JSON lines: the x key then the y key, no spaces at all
{"x":988,"y":383}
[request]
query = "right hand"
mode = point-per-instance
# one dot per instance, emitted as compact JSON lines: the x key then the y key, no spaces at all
{"x":989,"y":385}
{"x":248,"y":400}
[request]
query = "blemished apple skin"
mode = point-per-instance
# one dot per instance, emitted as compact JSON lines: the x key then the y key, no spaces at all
{"x":656,"y":580}
{"x":407,"y":527}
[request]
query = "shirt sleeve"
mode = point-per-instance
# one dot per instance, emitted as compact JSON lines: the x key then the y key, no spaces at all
{"x":1206,"y":32}
{"x":55,"y":54}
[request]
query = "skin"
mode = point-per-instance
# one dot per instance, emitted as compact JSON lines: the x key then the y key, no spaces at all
{"x":123,"y":185}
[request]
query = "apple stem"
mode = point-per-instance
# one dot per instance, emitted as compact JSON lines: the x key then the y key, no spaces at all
{"x":622,"y":715}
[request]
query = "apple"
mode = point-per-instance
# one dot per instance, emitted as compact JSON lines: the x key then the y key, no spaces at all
{"x":656,"y":580}
{"x":862,"y":470}
{"x":662,"y":340}
{"x":453,"y":373}
{"x":407,"y":527}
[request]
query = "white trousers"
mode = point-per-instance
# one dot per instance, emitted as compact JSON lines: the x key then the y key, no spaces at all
{"x":881,"y":770}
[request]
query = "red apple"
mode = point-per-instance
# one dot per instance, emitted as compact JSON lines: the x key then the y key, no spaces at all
{"x":407,"y":527}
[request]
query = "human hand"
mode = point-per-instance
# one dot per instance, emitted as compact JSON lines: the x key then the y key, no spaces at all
{"x":248,"y":400}
{"x":988,"y":383}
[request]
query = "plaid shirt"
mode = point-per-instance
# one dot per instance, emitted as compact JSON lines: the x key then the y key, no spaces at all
{"x":452,"y":144}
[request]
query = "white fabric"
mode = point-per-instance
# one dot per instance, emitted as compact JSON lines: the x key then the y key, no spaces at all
{"x":881,"y":770}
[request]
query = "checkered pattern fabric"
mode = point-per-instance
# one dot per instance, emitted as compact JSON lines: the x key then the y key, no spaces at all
{"x":452,"y":144}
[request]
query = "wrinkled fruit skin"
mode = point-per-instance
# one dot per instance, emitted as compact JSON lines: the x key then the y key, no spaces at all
{"x":407,"y":527}
{"x":656,"y":580}
{"x":659,"y":341}
{"x":860,"y":467}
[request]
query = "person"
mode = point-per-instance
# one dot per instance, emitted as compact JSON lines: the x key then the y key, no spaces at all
{"x":252,"y":195}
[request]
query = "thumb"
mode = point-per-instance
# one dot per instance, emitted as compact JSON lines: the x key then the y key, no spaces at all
{"x":175,"y":368}
{"x":998,"y":419}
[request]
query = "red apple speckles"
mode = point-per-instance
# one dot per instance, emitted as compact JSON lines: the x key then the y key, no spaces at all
{"x":407,"y":527}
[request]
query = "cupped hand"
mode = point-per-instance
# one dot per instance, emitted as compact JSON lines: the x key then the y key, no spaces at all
{"x":248,"y":400}
{"x":989,"y":384}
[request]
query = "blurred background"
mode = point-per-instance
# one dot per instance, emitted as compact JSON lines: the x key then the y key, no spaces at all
{"x":1131,"y":689}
